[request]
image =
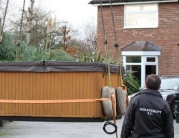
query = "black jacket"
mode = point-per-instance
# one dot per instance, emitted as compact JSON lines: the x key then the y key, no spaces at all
{"x":148,"y":116}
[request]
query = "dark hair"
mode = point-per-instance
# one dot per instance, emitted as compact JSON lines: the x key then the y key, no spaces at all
{"x":153,"y":81}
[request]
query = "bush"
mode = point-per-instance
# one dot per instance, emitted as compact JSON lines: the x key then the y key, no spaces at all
{"x":7,"y":48}
{"x":12,"y":51}
{"x":131,"y":82}
{"x":31,"y":53}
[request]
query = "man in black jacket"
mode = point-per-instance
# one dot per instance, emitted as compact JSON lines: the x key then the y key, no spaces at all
{"x":148,"y":114}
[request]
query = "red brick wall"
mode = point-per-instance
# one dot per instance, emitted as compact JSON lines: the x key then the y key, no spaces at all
{"x":166,"y":35}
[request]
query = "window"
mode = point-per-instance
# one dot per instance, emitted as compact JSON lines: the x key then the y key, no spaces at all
{"x":135,"y":70}
{"x":150,"y":59}
{"x":133,"y":59}
{"x":141,"y":16}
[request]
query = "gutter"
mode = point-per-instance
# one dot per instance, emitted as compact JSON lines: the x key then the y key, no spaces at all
{"x":132,"y":3}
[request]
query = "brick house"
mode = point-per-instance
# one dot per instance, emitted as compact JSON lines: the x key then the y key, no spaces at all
{"x":147,"y":34}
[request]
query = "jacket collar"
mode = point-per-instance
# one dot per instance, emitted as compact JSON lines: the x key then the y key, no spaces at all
{"x":152,"y":92}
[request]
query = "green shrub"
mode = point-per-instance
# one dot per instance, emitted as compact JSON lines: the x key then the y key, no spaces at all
{"x":7,"y":48}
{"x":131,"y":82}
{"x":31,"y":53}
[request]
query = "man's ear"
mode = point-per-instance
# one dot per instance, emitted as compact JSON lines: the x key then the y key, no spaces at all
{"x":146,"y":86}
{"x":159,"y":87}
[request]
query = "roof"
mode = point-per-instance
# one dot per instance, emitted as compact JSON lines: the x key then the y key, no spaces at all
{"x":127,"y":1}
{"x":141,"y":46}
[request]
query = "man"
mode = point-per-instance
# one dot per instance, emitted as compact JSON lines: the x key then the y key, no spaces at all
{"x":148,"y":115}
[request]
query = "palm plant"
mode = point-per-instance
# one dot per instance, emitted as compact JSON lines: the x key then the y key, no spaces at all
{"x":131,"y":82}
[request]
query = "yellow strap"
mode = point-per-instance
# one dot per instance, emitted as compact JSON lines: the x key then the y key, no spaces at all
{"x":53,"y":101}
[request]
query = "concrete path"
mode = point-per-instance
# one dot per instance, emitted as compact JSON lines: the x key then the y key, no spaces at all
{"x":60,"y":130}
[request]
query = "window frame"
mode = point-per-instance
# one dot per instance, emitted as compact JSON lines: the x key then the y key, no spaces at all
{"x":140,"y":12}
{"x":144,"y":55}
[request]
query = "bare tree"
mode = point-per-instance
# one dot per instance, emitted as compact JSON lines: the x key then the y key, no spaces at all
{"x":90,"y":31}
{"x":29,"y":21}
{"x":1,"y":8}
{"x":45,"y":31}
{"x":7,"y":11}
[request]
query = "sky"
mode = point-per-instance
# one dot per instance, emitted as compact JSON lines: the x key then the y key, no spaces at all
{"x":76,"y":12}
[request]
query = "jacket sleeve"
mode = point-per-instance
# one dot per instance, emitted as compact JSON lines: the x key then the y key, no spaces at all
{"x":168,"y":123}
{"x":128,"y":121}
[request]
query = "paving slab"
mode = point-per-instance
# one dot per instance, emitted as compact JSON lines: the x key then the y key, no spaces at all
{"x":61,"y":130}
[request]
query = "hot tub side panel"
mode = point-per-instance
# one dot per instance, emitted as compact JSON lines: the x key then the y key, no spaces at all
{"x":53,"y":86}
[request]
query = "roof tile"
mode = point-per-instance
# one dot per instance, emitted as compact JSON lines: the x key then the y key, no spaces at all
{"x":141,"y":46}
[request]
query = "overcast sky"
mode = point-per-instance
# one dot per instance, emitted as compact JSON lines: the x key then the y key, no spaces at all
{"x":76,"y":12}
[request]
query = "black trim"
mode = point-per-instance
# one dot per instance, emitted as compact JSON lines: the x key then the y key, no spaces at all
{"x":121,"y":1}
{"x":50,"y":119}
{"x":1,"y":123}
{"x":55,"y":119}
{"x":56,"y":66}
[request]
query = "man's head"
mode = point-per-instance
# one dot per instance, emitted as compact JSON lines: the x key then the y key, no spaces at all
{"x":153,"y":82}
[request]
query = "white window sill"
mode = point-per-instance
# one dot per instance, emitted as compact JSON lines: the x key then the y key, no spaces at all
{"x":149,"y":27}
